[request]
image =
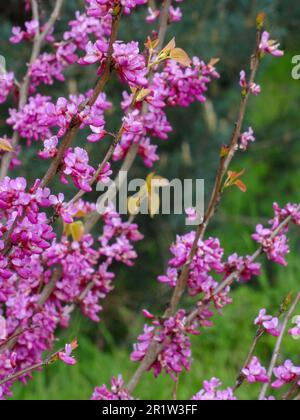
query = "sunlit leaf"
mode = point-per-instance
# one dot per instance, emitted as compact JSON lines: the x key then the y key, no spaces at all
{"x":181,"y":57}
{"x":5,"y":146}
{"x":169,"y":47}
{"x":76,"y":230}
{"x":143,"y":95}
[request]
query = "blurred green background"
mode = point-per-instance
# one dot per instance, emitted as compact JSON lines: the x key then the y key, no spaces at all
{"x":210,"y":28}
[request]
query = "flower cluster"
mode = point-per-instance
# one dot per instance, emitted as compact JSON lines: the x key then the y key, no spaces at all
{"x":295,"y":332}
{"x":175,"y":85}
{"x":127,"y":60}
{"x":117,"y":392}
{"x":254,"y":89}
{"x":286,"y":374}
{"x":176,"y":354}
{"x":33,"y":122}
{"x":255,"y":372}
{"x":211,"y":392}
{"x":175,"y":14}
{"x":100,"y":8}
{"x":19,"y":35}
{"x":274,"y":244}
{"x":35,"y":252}
{"x":246,"y":138}
{"x":269,"y":46}
{"x":76,"y":165}
{"x":45,"y":69}
{"x":269,"y":323}
{"x":7,"y":81}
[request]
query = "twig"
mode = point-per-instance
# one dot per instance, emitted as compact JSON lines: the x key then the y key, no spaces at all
{"x":277,"y":349}
{"x":241,"y":377}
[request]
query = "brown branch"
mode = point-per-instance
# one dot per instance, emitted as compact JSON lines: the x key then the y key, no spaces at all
{"x":24,"y":89}
{"x":278,"y":345}
{"x":75,"y":123}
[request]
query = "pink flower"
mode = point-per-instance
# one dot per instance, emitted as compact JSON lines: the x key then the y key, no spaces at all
{"x":65,"y":211}
{"x":66,"y":356}
{"x":276,"y":248}
{"x":94,"y":53}
{"x":246,"y":138}
{"x":270,"y":324}
{"x":152,"y":15}
{"x":295,"y":332}
{"x":286,"y":374}
{"x":147,"y":151}
{"x":50,"y":148}
{"x":176,"y":355}
{"x":269,"y":46}
{"x":76,"y":164}
{"x":33,"y":121}
{"x":130,"y":64}
{"x":255,"y":372}
{"x":31,"y":28}
{"x":7,"y":81}
{"x":175,"y":14}
{"x":248,"y":269}
{"x":117,"y":392}
{"x":210,"y":392}
{"x":45,"y":69}
{"x":105,"y":174}
{"x":253,"y":87}
{"x":192,"y":214}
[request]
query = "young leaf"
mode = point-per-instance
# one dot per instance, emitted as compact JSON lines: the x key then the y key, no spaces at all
{"x":5,"y":146}
{"x":181,"y":57}
{"x":76,"y":230}
{"x":169,"y":47}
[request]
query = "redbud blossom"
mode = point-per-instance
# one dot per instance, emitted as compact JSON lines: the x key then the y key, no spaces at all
{"x":286,"y":374}
{"x":269,"y":323}
{"x":255,"y":372}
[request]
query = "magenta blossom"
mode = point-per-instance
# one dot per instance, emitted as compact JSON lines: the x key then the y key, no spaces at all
{"x":66,"y":356}
{"x":117,"y":392}
{"x":270,"y":324}
{"x":246,"y":138}
{"x":286,"y":374}
{"x":7,"y":81}
{"x":3,"y":330}
{"x":210,"y":392}
{"x":130,"y":64}
{"x":269,"y":46}
{"x":295,"y":332}
{"x":255,"y":372}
